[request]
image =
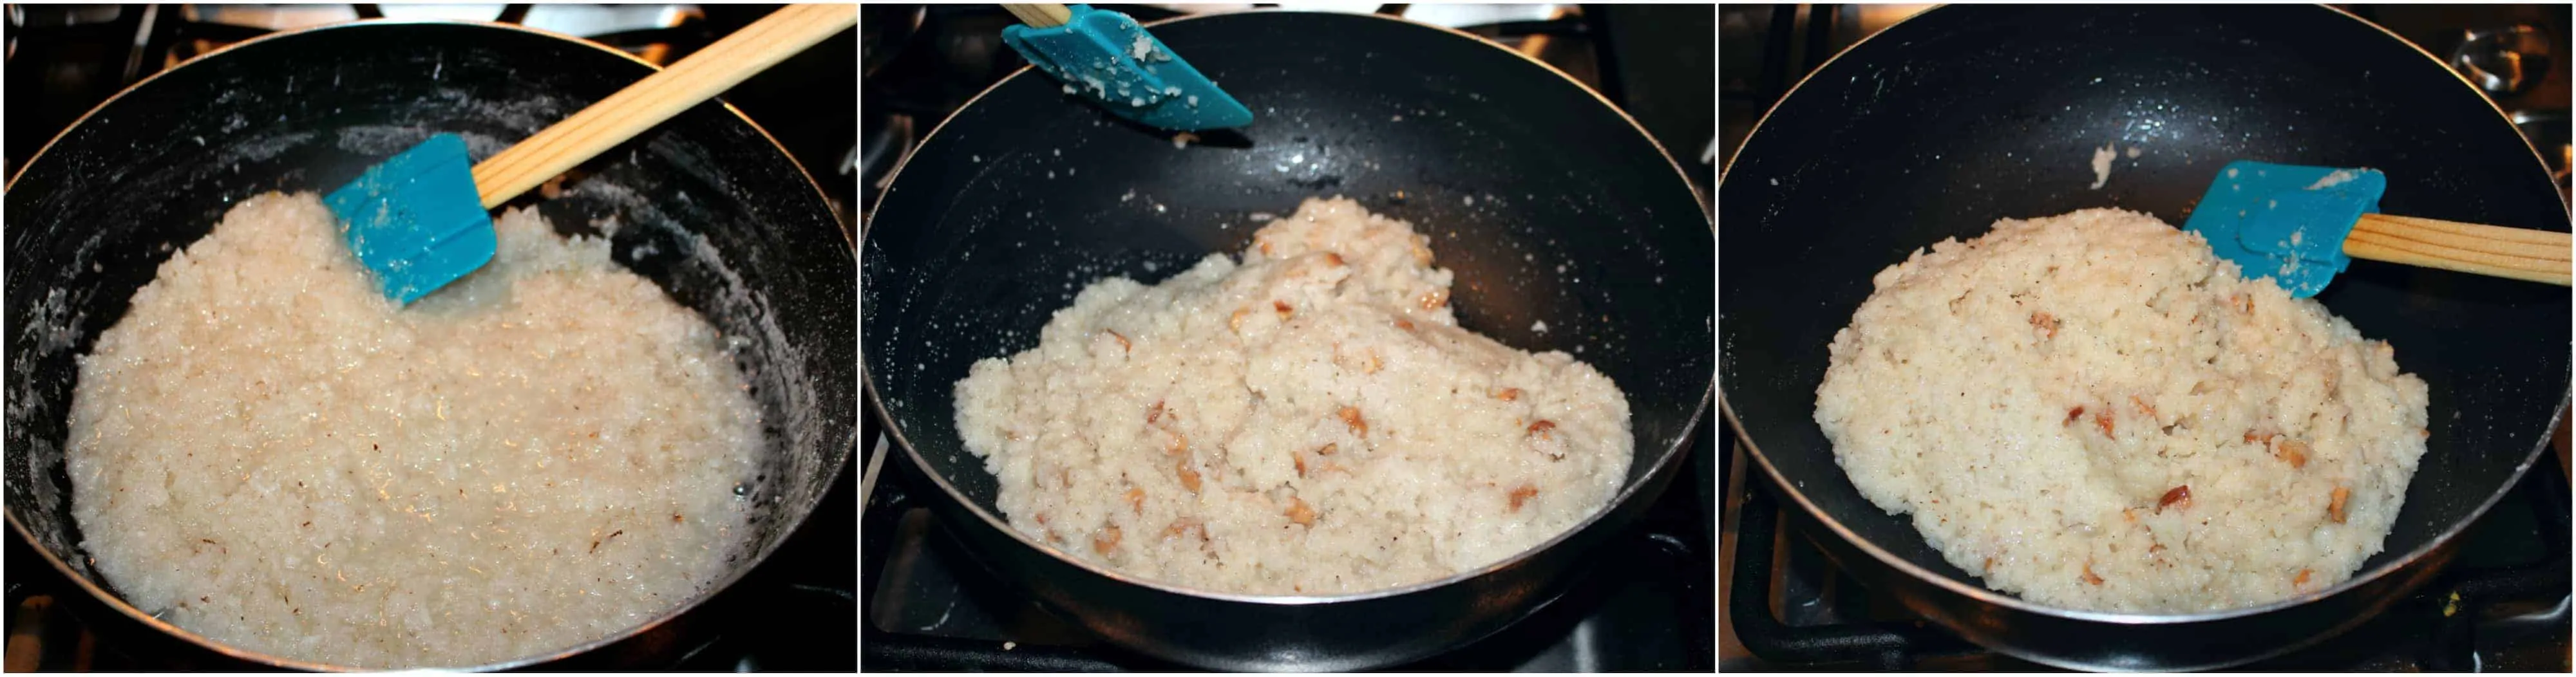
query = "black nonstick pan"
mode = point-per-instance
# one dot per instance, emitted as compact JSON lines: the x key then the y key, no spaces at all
{"x":712,"y":211}
{"x":1963,"y":115}
{"x":1550,"y":205}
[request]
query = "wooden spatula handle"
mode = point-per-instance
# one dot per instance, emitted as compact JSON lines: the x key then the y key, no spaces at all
{"x":1041,"y":16}
{"x":630,"y":111}
{"x":2518,"y":253}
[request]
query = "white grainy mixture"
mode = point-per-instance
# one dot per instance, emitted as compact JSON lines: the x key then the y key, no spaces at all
{"x":266,"y":451}
{"x":1309,"y":421}
{"x":2094,"y":412}
{"x":2102,"y":163}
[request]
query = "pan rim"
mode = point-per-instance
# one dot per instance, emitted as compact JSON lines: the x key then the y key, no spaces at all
{"x":1665,"y":457}
{"x":1986,"y":595}
{"x":835,"y":462}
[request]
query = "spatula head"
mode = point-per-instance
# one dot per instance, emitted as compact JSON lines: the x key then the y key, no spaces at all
{"x":2287,"y":222}
{"x":1104,"y":56}
{"x":415,"y":220}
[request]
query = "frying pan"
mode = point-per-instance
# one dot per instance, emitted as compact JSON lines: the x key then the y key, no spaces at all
{"x":1960,"y":116}
{"x":1549,"y":204}
{"x":713,"y":212}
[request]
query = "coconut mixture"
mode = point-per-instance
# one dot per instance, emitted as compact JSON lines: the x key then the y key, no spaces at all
{"x":2094,"y":412}
{"x":266,"y":451}
{"x":1308,"y":421}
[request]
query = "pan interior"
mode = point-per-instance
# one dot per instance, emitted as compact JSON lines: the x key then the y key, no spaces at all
{"x":1548,"y":204}
{"x":1964,"y":115}
{"x":706,"y":207}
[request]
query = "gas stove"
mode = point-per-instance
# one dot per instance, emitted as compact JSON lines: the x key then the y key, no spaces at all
{"x":1796,"y":610}
{"x":797,"y":610}
{"x":932,"y":607}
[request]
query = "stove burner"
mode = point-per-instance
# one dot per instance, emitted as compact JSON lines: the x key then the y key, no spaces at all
{"x":2505,"y":62}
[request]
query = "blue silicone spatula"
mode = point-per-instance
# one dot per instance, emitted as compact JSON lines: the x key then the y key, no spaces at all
{"x":1105,"y":57}
{"x":2301,"y":225}
{"x":420,"y":219}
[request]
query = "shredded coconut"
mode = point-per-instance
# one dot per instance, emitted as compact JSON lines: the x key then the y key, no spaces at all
{"x":2102,"y":165}
{"x":266,"y":451}
{"x":1308,"y":421}
{"x":2094,"y":412}
{"x":2337,"y":177}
